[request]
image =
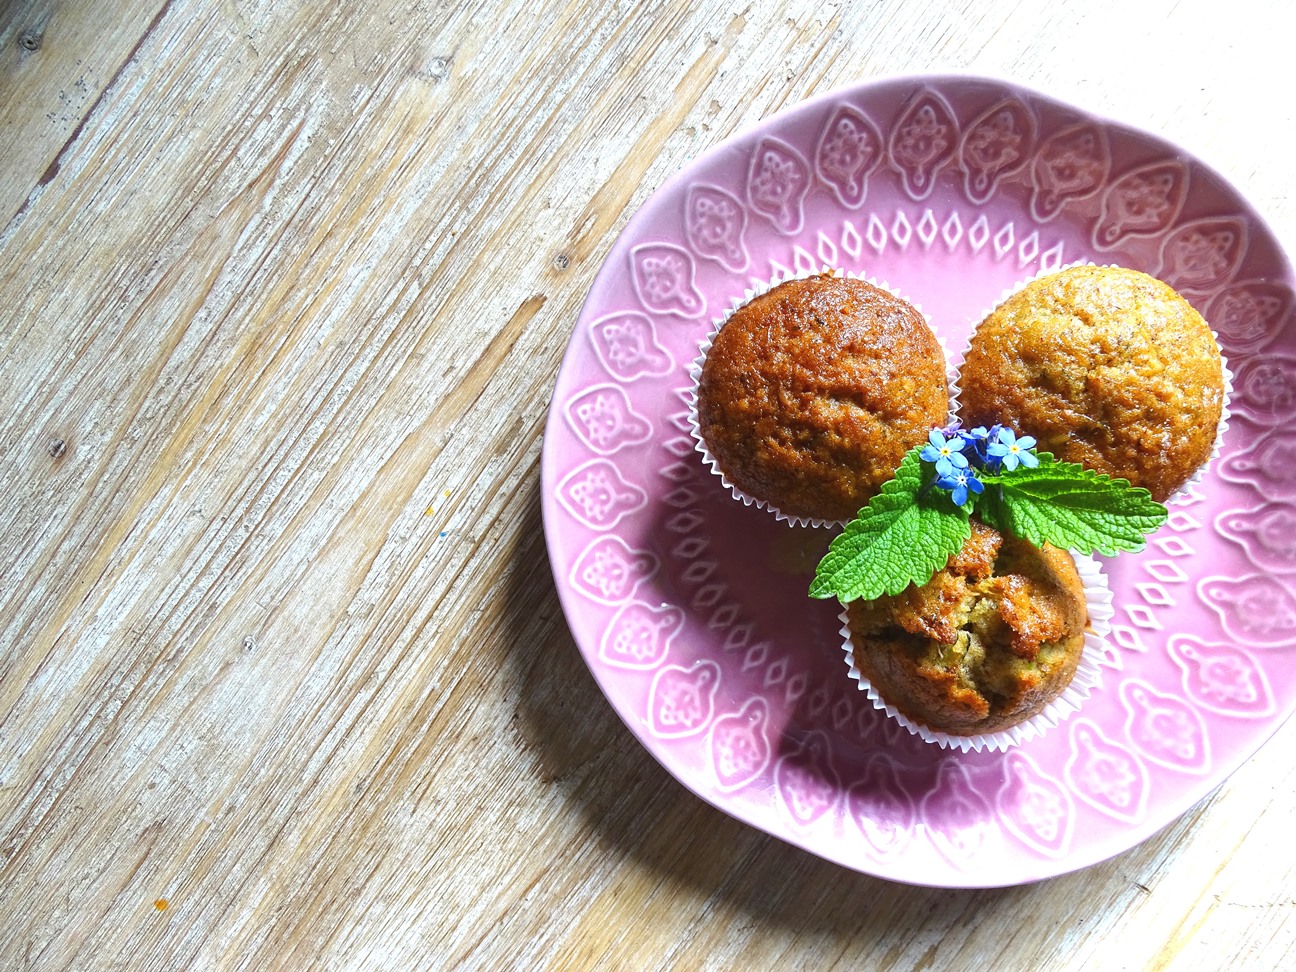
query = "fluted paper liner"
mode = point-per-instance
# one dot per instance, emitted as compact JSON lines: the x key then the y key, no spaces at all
{"x":1088,"y":676}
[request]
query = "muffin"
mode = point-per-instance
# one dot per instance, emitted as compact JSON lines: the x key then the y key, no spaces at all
{"x":1104,"y":366}
{"x":984,"y":645}
{"x":812,"y":392}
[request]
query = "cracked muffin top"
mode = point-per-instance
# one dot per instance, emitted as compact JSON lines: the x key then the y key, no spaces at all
{"x":1106,"y":367}
{"x":812,"y":392}
{"x":984,"y":645}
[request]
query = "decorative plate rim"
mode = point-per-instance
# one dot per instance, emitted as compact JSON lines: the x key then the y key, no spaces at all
{"x":1130,"y":834}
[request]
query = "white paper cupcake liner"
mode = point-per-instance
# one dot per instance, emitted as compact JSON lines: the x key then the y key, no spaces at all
{"x":695,"y":376}
{"x":1088,"y":677}
{"x":1184,"y":494}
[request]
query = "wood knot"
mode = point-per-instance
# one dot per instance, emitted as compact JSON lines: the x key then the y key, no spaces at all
{"x":436,"y":70}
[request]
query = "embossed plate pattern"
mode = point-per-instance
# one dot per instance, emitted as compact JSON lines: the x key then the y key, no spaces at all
{"x":690,"y":608}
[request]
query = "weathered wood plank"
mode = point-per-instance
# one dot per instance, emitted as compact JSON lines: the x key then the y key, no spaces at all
{"x":281,"y":648}
{"x":57,"y":57}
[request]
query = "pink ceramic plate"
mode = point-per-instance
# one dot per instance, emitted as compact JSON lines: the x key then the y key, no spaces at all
{"x":690,"y":608}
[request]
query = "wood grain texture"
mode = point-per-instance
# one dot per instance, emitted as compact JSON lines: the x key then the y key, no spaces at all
{"x":57,"y":57}
{"x":282,"y":299}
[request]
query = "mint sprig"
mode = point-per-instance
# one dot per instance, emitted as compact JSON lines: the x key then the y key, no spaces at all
{"x":908,"y":531}
{"x":1071,"y":507}
{"x":921,"y":517}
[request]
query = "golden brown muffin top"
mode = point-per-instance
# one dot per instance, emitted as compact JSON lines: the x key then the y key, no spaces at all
{"x":1105,"y":366}
{"x":812,"y":393}
{"x":985,"y":644}
{"x":1036,"y":593}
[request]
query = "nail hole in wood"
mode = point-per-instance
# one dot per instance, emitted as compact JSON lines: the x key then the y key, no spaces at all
{"x":29,"y":40}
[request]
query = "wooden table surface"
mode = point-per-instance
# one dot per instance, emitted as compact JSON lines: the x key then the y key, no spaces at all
{"x":284,"y":679}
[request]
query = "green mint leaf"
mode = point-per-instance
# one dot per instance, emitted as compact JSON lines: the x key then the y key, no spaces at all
{"x":991,"y":510}
{"x":1071,"y":507}
{"x":903,"y":536}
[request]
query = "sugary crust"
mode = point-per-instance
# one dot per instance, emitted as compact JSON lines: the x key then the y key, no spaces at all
{"x":812,"y":393}
{"x":976,"y":651}
{"x":1106,"y":367}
